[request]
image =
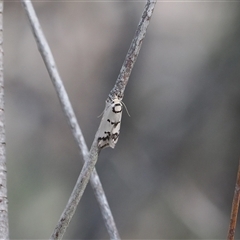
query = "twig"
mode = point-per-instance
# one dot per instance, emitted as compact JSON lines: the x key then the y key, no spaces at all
{"x":118,"y":90}
{"x":123,"y":77}
{"x":235,"y":206}
{"x":76,"y":195}
{"x":4,"y":230}
{"x":68,"y":110}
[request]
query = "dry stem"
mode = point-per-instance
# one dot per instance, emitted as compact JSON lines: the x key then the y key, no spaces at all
{"x":235,"y":206}
{"x":118,"y":90}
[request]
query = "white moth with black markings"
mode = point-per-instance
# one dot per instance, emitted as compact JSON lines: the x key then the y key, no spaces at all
{"x":109,"y":128}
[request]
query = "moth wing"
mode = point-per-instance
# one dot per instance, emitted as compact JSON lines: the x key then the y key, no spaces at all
{"x":105,"y":129}
{"x":115,"y":132}
{"x":110,"y":125}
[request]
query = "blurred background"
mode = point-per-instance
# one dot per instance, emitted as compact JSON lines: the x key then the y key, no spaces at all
{"x":173,"y":171}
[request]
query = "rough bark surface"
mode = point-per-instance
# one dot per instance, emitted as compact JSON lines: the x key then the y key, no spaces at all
{"x":4,"y":232}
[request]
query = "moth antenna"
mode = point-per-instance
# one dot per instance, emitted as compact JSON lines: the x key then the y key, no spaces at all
{"x":126,"y":108}
{"x":100,"y":114}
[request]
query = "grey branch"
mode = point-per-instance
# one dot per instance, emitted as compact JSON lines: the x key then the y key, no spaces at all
{"x":118,"y":91}
{"x":68,"y":110}
{"x":4,"y":231}
{"x":123,"y":77}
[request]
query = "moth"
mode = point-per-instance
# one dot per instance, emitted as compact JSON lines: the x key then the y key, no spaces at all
{"x":109,"y":129}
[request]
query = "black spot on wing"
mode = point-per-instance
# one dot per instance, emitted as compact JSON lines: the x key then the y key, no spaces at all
{"x":117,"y":108}
{"x":113,"y":123}
{"x":115,"y":136}
{"x":105,"y":145}
{"x":104,"y":139}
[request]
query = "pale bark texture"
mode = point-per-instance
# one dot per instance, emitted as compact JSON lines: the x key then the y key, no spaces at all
{"x":118,"y":90}
{"x":4,"y":232}
{"x":49,"y":61}
{"x":92,"y":156}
